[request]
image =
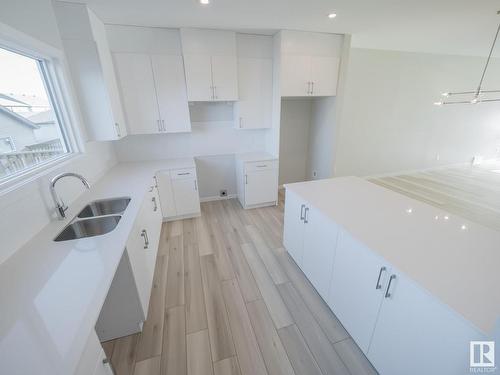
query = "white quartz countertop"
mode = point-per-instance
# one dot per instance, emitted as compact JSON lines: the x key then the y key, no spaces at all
{"x":51,"y":293}
{"x":255,"y":156}
{"x":456,"y":260}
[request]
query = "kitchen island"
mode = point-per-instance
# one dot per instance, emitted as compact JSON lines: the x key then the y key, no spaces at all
{"x":412,"y":284}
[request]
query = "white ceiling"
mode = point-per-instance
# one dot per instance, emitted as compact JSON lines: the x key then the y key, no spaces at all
{"x":442,"y":26}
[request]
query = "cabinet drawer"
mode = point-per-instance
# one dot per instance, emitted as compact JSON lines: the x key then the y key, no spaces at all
{"x":179,"y":174}
{"x":261,"y":165}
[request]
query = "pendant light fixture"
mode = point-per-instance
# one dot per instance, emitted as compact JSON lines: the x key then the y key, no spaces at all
{"x":464,"y":97}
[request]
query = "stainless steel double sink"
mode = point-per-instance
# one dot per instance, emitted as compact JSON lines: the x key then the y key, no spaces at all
{"x":96,"y":218}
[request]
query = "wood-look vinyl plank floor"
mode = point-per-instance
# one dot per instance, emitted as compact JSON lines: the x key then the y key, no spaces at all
{"x":228,"y":300}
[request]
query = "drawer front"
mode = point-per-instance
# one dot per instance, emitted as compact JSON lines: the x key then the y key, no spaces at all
{"x":180,"y":174}
{"x":261,"y":165}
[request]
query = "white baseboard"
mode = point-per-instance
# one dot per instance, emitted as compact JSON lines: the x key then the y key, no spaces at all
{"x":218,"y":198}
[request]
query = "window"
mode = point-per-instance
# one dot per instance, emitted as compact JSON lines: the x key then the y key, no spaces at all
{"x":31,"y":133}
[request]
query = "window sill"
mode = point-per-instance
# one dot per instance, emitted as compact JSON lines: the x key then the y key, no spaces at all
{"x":29,"y":175}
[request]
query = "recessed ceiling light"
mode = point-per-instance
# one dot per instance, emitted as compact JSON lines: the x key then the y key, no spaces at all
{"x":204,"y":2}
{"x":332,"y":15}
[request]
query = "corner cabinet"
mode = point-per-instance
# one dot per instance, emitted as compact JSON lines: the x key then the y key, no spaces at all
{"x":400,"y":326}
{"x":91,"y":67}
{"x":257,"y":182}
{"x":179,"y":195}
{"x":153,"y":92}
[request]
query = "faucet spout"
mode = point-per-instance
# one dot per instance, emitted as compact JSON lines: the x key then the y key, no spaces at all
{"x":60,"y":206}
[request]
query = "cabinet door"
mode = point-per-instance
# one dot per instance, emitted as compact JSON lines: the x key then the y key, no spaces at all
{"x":153,"y":220}
{"x":93,"y":97}
{"x":295,"y":75}
{"x":103,"y":366}
{"x":293,"y":230}
{"x":186,"y":196}
{"x":109,"y":76}
{"x":166,"y":194}
{"x":138,"y":93}
{"x":225,"y":78}
{"x":255,"y":85}
{"x":320,"y":243}
{"x":354,"y":296}
{"x":417,"y":334}
{"x":261,"y":187}
{"x":198,"y":70}
{"x":171,"y":92}
{"x":136,"y":248}
{"x":324,"y":75}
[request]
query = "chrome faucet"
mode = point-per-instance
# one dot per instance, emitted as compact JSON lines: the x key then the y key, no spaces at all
{"x":60,"y":206}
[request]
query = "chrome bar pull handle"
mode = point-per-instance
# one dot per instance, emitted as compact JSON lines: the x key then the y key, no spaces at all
{"x":144,"y":234}
{"x":378,"y":286}
{"x":305,"y":215}
{"x":155,"y":205}
{"x":388,"y":294}
{"x":312,"y":88}
{"x":302,"y":206}
{"x":246,"y":179}
{"x":195,"y":185}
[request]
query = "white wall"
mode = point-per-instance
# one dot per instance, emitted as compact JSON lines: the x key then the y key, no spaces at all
{"x":321,"y":139}
{"x":213,"y":140}
{"x":294,"y":139}
{"x":27,"y":209}
{"x":388,"y":121}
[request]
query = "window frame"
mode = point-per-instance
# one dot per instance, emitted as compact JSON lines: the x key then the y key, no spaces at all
{"x":54,"y":71}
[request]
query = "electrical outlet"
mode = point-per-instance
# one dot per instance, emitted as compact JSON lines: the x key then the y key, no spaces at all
{"x":223,"y":193}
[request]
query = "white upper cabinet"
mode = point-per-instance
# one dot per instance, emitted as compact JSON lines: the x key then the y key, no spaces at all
{"x":170,"y":85}
{"x":138,"y":92}
{"x":91,"y":68}
{"x":295,"y":75}
{"x":199,"y":78}
{"x":309,"y":63}
{"x":210,"y":64}
{"x":255,"y":83}
{"x":225,"y":78}
{"x":309,"y":75}
{"x":153,"y":92}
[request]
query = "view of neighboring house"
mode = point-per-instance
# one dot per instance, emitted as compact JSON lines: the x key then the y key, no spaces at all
{"x":28,"y":132}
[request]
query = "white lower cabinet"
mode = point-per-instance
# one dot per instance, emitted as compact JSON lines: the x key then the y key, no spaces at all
{"x":293,"y":230}
{"x":320,"y":242}
{"x":311,"y":240}
{"x":142,"y":246}
{"x":401,"y":327}
{"x":415,"y":334}
{"x":93,"y":360}
{"x":257,"y":183}
{"x":126,"y":305}
{"x":179,"y":195}
{"x":357,"y":288}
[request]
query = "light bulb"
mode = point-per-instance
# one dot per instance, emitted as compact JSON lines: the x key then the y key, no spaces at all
{"x":445,"y":94}
{"x":332,"y":15}
{"x":438,"y":103}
